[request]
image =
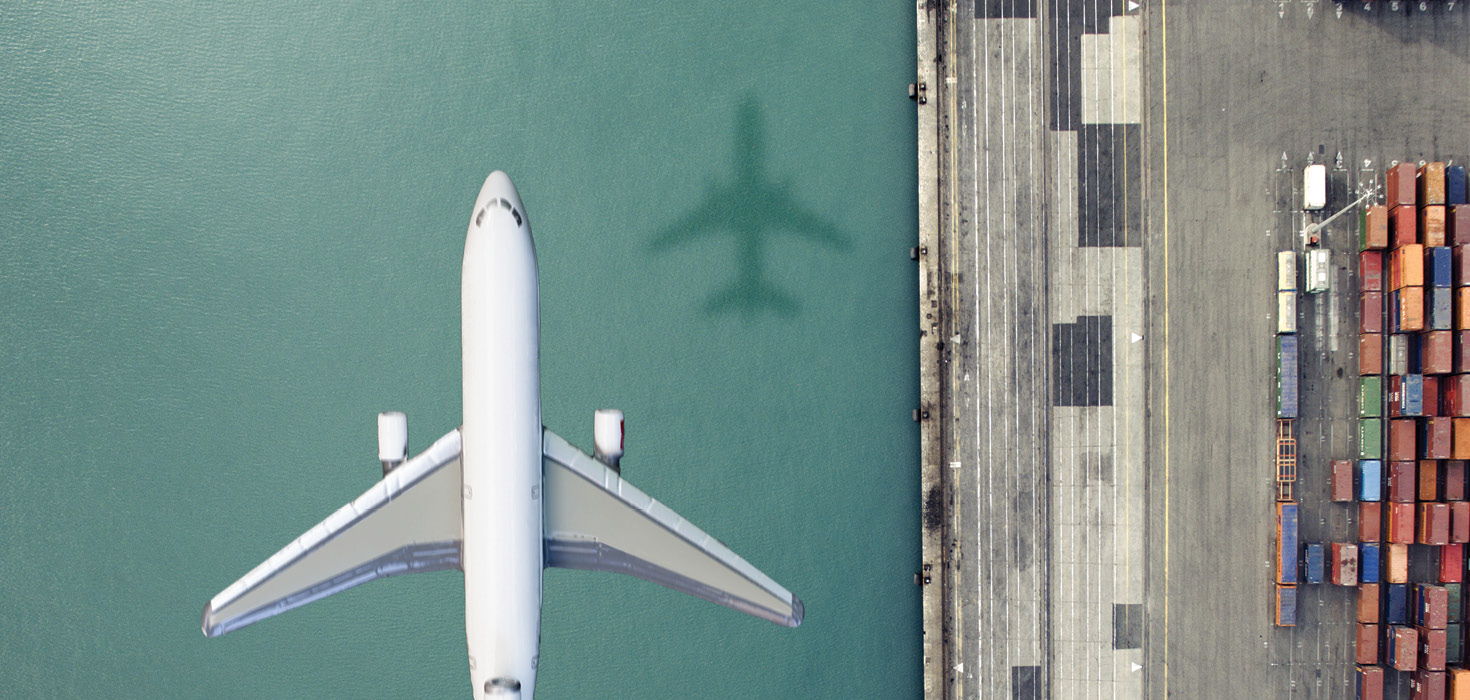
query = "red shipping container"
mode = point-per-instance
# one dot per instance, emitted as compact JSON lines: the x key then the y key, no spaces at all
{"x":1370,"y":682}
{"x":1406,"y":266}
{"x":1434,"y":523}
{"x":1461,"y":445}
{"x":1432,"y":649}
{"x":1370,"y":521}
{"x":1461,"y":258}
{"x":1367,"y":643}
{"x":1428,"y":685}
{"x":1370,"y":353}
{"x":1370,"y":318}
{"x":1402,"y":185}
{"x":1403,"y":226}
{"x":1429,"y":479}
{"x":1403,"y":648}
{"x":1430,"y":184}
{"x":1454,"y":476}
{"x":1411,"y":309}
{"x":1370,"y":271}
{"x":1401,"y":439}
{"x":1396,"y":568}
{"x":1432,"y":225}
{"x":1342,"y":480}
{"x":1368,"y":599}
{"x":1403,"y":481}
{"x":1455,"y":396}
{"x":1457,"y":222}
{"x":1375,"y":227}
{"x":1451,"y":563}
{"x":1438,"y":356}
{"x":1431,"y":606}
{"x":1395,"y":391}
{"x":1401,"y":523}
{"x":1431,"y":395}
{"x":1437,"y":439}
{"x":1459,"y":522}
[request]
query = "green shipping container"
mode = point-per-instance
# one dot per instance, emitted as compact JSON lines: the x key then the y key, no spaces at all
{"x":1453,"y":589}
{"x":1370,"y":397}
{"x":1370,"y":438}
{"x":1454,"y":649}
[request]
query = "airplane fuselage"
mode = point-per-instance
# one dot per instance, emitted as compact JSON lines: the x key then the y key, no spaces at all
{"x":502,"y":537}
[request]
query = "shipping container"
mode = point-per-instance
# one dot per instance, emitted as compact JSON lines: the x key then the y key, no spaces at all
{"x":1370,"y":562}
{"x":1454,"y":184}
{"x":1373,"y":228}
{"x":1434,"y":523}
{"x":1344,"y":569}
{"x":1403,"y":226}
{"x":1428,"y":685}
{"x":1452,"y":595}
{"x":1314,"y":563}
{"x":1370,"y":271}
{"x":1369,"y":598}
{"x":1287,"y":376}
{"x":1370,"y":521}
{"x":1440,"y":263}
{"x":1400,"y":524}
{"x":1416,"y":353}
{"x":1286,"y":267}
{"x":1451,"y":563}
{"x":1432,"y":650}
{"x":1403,"y":481}
{"x":1460,"y":521}
{"x":1429,"y":478}
{"x":1436,"y":439}
{"x":1457,"y":220}
{"x":1402,"y":184}
{"x":1407,"y":310}
{"x":1461,"y":258}
{"x":1462,"y":308}
{"x":1431,"y":394}
{"x":1441,"y":308}
{"x":1403,"y":648}
{"x":1396,"y":599}
{"x":1431,"y":606}
{"x":1370,"y":353}
{"x":1437,"y":354}
{"x":1460,"y":450}
{"x":1459,"y":683}
{"x":1396,"y":562}
{"x":1432,"y":228}
{"x":1368,"y":681}
{"x":1367,"y":646}
{"x":1430,"y":188}
{"x":1314,"y":186}
{"x":1370,"y":397}
{"x":1454,"y":637}
{"x":1455,"y":395}
{"x":1401,"y":439}
{"x":1285,"y":613}
{"x":1370,"y":316}
{"x":1286,"y":542}
{"x":1319,"y":270}
{"x":1370,"y":438}
{"x":1453,"y":486}
{"x":1341,"y":483}
{"x":1406,"y":266}
{"x":1462,"y":350}
{"x":1405,"y":395}
{"x":1286,"y":312}
{"x":1398,"y":353}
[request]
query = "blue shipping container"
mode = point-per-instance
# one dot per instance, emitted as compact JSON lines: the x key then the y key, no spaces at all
{"x":1441,"y":308}
{"x":1289,"y":547}
{"x":1414,"y":344}
{"x":1440,"y":266}
{"x":1314,"y":563}
{"x":1286,"y":376}
{"x":1411,"y":396}
{"x":1370,"y":480}
{"x":1454,"y":185}
{"x":1368,"y":557}
{"x":1397,"y":610}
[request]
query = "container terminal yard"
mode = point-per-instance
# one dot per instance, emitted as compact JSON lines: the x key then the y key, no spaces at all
{"x":1119,"y":498}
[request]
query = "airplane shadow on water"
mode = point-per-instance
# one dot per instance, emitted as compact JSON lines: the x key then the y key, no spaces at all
{"x":751,"y":207}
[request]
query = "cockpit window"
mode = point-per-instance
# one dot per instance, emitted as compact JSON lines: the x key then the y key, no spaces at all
{"x":517,"y":215}
{"x":479,"y":217}
{"x":504,"y":205}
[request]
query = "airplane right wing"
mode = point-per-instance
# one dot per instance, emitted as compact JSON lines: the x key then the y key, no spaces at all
{"x":594,"y":520}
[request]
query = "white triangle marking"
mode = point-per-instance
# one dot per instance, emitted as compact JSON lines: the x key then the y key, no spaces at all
{"x":1135,"y":667}
{"x":1134,"y":337}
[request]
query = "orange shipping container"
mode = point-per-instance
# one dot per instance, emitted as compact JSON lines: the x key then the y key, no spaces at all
{"x":1375,"y":227}
{"x":1370,"y":520}
{"x":1406,"y":267}
{"x":1431,"y":184}
{"x":1459,"y":684}
{"x":1460,"y":522}
{"x":1432,"y":225}
{"x":1462,"y":309}
{"x":1429,"y":478}
{"x":1411,"y":309}
{"x":1367,"y":643}
{"x":1461,"y":437}
{"x":1368,"y":603}
{"x":1397,"y":565}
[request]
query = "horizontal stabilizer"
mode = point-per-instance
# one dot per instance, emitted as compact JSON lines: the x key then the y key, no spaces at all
{"x":408,"y":522}
{"x":594,"y":520}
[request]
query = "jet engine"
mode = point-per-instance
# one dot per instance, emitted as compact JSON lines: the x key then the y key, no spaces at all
{"x":392,"y":439}
{"x":607,"y":437}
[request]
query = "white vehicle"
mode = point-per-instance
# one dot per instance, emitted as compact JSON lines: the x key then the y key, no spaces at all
{"x":1286,"y":271}
{"x":500,"y":497}
{"x":1285,"y":312}
{"x":1319,"y":270}
{"x":1314,"y":187}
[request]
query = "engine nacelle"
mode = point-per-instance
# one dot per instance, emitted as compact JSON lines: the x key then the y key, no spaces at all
{"x":607,"y":437}
{"x":392,"y":440}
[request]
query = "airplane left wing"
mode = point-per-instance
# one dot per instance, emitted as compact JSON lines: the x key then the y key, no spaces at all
{"x":408,"y":522}
{"x":595,"y":520}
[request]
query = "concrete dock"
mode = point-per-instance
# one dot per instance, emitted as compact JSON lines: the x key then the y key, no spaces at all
{"x":1102,"y":187}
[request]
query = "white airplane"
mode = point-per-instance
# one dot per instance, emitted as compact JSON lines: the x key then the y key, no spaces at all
{"x":500,"y":497}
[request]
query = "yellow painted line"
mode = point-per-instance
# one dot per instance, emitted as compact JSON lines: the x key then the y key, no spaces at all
{"x":1164,"y":78}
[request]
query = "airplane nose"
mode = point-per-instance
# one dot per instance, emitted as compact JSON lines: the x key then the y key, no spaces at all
{"x":498,"y":185}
